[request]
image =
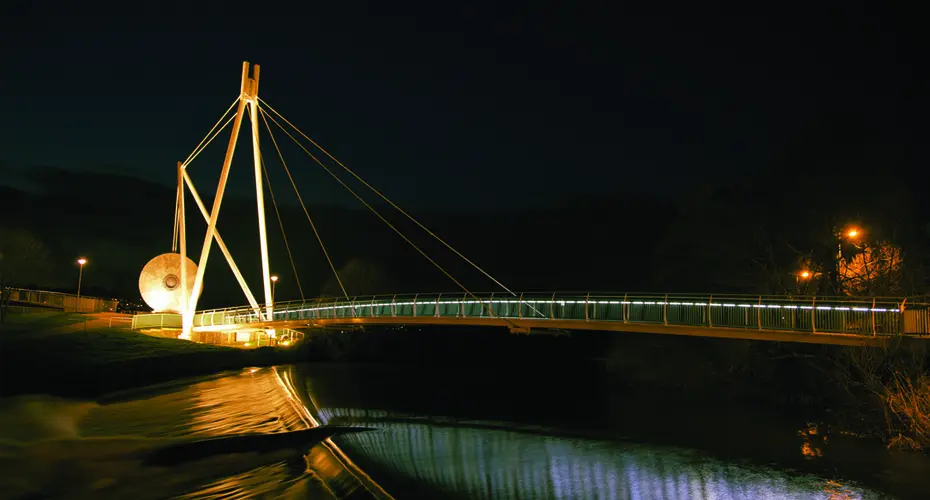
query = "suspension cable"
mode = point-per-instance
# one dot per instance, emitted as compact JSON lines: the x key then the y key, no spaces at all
{"x":202,"y":145}
{"x":196,"y":153}
{"x":180,"y":191}
{"x":277,"y":213}
{"x":402,"y":211}
{"x":377,"y":214}
{"x":304,"y":207}
{"x":385,"y":198}
{"x":281,"y":225}
{"x":177,"y":219}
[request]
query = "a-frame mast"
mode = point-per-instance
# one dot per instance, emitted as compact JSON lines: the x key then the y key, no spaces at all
{"x":248,"y":96}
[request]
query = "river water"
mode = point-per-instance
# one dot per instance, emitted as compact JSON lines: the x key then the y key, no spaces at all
{"x":434,"y":433}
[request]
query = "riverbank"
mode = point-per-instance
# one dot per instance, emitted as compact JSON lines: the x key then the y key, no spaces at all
{"x":881,"y":393}
{"x":55,"y":354}
{"x":484,"y":424}
{"x":868,"y":392}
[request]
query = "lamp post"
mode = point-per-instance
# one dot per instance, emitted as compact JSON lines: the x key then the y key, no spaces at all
{"x":851,"y":235}
{"x":274,"y":281}
{"x":802,"y":275}
{"x":81,"y":261}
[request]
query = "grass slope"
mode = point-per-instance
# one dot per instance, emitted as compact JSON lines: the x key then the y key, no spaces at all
{"x":38,"y":322}
{"x":51,"y":353}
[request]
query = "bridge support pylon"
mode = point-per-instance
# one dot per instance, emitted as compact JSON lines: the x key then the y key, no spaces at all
{"x":247,"y":103}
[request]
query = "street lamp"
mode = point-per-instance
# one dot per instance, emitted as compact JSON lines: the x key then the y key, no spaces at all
{"x":274,"y":280}
{"x":81,"y":261}
{"x":803,"y":276}
{"x":852,"y":235}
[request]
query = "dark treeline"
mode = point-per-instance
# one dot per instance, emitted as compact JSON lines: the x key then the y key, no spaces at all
{"x":744,"y":237}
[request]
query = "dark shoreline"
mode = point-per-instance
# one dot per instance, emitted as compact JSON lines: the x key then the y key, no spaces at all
{"x":75,"y":379}
{"x":791,"y":380}
{"x":70,"y":365}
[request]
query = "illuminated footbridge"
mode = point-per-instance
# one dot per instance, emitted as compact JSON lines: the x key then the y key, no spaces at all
{"x":840,"y":321}
{"x":176,"y":288}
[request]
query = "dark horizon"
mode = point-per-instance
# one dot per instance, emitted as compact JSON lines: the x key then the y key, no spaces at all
{"x":464,"y":107}
{"x":697,"y":244}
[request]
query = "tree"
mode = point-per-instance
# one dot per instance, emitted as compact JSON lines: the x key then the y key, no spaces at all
{"x":836,"y":264}
{"x":873,"y":268}
{"x":23,"y":260}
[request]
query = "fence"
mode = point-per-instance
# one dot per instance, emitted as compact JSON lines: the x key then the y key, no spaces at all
{"x":62,"y":301}
{"x":156,"y":321}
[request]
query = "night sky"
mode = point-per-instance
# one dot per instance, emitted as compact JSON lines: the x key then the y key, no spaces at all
{"x":471,"y":106}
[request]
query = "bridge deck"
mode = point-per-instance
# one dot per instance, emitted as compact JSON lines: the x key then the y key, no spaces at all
{"x":530,"y":325}
{"x":839,"y":321}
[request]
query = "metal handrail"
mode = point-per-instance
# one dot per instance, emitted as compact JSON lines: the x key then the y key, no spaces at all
{"x":50,"y":292}
{"x":865,"y":316}
{"x":890,"y":298}
{"x":558,"y":296}
{"x":718,"y":300}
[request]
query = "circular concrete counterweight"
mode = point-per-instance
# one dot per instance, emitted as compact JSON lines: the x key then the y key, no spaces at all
{"x":160,"y":282}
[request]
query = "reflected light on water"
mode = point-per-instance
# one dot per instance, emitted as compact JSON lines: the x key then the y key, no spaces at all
{"x":90,"y":449}
{"x":248,"y":402}
{"x":86,"y":450}
{"x":482,"y":460}
{"x":810,"y":447}
{"x":337,"y":458}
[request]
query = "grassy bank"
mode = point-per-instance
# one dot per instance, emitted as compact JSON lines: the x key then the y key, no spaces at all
{"x":52,"y":353}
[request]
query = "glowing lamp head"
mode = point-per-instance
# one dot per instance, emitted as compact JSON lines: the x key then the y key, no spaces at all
{"x":852,"y":233}
{"x":274,"y":278}
{"x":82,"y":261}
{"x":805,"y":274}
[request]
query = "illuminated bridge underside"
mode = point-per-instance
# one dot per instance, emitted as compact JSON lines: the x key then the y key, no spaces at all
{"x":809,"y":320}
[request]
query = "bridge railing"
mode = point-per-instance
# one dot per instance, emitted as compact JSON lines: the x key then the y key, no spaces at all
{"x":864,"y":316}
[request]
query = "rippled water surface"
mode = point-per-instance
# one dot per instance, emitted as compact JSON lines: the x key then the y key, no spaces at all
{"x":85,"y":450}
{"x":436,"y":435}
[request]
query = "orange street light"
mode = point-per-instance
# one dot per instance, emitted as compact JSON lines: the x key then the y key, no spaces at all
{"x":804,"y":274}
{"x":851,"y":232}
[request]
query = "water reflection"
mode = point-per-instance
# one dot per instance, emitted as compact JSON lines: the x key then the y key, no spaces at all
{"x":53,"y":448}
{"x":484,"y":460}
{"x":89,"y":450}
{"x":251,"y":401}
